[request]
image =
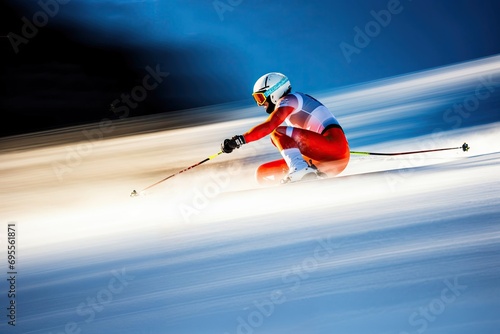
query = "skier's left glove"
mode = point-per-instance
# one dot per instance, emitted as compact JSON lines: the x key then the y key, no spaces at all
{"x":230,"y":144}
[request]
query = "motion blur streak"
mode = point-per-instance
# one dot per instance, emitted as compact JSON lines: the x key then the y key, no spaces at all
{"x":208,"y":250}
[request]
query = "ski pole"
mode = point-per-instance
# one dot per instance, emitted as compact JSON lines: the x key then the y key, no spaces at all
{"x":135,"y":193}
{"x":465,"y":147}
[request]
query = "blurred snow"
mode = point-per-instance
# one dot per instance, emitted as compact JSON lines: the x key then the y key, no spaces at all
{"x":404,"y":244}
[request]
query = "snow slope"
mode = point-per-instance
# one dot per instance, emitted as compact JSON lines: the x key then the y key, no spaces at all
{"x":406,"y":244}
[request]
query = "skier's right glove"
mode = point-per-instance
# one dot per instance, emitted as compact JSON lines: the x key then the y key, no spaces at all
{"x":230,"y":144}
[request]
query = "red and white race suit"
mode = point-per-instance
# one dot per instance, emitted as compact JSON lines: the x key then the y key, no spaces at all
{"x":310,"y":127}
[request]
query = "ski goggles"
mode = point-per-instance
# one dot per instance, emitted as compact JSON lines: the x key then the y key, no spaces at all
{"x":260,"y":97}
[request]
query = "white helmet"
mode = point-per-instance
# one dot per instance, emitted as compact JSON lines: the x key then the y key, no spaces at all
{"x":271,"y":87}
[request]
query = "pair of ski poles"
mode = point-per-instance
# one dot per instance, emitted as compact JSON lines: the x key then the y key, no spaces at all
{"x":465,"y":147}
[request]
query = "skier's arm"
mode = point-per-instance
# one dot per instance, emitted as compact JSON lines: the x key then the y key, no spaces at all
{"x":272,"y":122}
{"x":285,"y":107}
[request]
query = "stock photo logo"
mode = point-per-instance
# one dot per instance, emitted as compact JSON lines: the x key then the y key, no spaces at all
{"x":211,"y":188}
{"x":372,"y":29}
{"x":95,"y":304}
{"x":292,"y":279}
{"x":121,"y":108}
{"x":30,"y":28}
{"x":425,"y":315}
{"x":453,"y":117}
{"x":222,"y":6}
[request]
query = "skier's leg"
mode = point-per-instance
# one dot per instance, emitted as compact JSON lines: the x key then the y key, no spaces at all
{"x":337,"y":151}
{"x":271,"y":172}
{"x":328,"y":151}
{"x":288,"y":148}
{"x":298,"y":168}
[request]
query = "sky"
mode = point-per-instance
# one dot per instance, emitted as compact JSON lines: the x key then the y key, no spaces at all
{"x":80,"y":61}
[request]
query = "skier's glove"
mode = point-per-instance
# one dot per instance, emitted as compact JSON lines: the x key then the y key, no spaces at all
{"x":230,"y":144}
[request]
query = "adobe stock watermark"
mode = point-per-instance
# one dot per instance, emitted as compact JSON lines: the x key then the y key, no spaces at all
{"x":222,"y":6}
{"x":429,"y":313}
{"x":454,"y":116}
{"x":407,"y":167}
{"x":372,"y":29}
{"x":294,"y":276}
{"x":30,"y":28}
{"x":97,"y":303}
{"x":121,"y":107}
{"x":218,"y":181}
{"x":463,"y":110}
{"x":203,"y":195}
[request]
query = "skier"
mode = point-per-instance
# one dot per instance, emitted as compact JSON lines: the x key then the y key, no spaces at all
{"x":312,"y":134}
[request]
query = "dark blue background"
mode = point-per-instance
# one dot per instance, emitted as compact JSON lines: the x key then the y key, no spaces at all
{"x":90,"y":52}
